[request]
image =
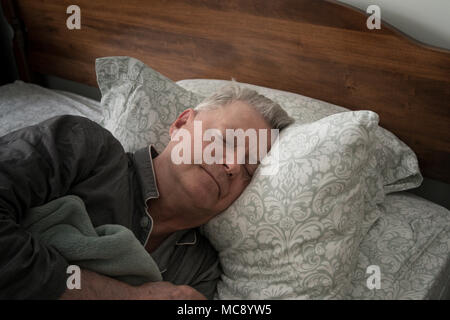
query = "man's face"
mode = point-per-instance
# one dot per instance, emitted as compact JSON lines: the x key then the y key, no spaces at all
{"x":211,"y":188}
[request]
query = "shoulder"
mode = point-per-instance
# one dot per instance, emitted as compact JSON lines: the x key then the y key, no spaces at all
{"x":205,"y":251}
{"x":190,"y":260}
{"x":197,"y":248}
{"x":194,"y":238}
{"x":80,"y":127}
{"x":72,"y":121}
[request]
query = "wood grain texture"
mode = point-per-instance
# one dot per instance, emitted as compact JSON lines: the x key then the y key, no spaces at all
{"x":316,"y":48}
{"x":9,"y":10}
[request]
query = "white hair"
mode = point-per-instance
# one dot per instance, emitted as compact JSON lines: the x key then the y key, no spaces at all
{"x":271,"y":111}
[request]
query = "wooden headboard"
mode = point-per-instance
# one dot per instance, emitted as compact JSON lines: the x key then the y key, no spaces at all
{"x":319,"y":49}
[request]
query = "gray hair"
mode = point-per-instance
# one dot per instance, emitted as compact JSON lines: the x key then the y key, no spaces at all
{"x":271,"y":111}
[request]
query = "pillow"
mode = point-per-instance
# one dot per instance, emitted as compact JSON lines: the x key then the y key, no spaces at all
{"x":397,"y":162}
{"x":139,"y":104}
{"x":295,"y":235}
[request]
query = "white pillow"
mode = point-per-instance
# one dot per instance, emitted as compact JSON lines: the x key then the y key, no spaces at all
{"x":295,"y":235}
{"x":397,"y":162}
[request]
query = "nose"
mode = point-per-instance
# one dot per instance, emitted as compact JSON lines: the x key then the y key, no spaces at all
{"x":231,"y":169}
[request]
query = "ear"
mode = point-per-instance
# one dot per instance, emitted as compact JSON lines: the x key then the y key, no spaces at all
{"x":185,"y":117}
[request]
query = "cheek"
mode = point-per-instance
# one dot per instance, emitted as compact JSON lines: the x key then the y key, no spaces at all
{"x":241,"y":184}
{"x":197,"y":179}
{"x":236,"y":189}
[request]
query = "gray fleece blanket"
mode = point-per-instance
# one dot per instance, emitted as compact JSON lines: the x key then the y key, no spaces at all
{"x":111,"y":250}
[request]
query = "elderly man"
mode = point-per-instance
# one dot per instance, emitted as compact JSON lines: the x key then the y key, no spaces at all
{"x":160,"y":201}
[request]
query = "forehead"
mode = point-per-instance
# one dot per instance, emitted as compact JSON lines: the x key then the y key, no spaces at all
{"x":233,"y":116}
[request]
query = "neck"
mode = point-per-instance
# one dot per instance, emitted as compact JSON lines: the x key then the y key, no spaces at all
{"x":165,"y":210}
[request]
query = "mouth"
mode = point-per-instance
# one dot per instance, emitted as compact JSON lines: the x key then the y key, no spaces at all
{"x":214,"y":179}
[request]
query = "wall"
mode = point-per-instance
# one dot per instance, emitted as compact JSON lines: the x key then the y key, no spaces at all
{"x":425,"y":20}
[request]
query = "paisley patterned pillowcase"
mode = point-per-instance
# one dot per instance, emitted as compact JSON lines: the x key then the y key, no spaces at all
{"x":397,"y":162}
{"x":139,"y":104}
{"x":296,"y":234}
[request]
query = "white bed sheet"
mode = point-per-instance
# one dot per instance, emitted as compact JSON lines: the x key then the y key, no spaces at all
{"x":23,"y":104}
{"x":410,"y":243}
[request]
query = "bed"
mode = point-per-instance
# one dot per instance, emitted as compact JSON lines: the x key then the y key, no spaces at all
{"x":318,"y":49}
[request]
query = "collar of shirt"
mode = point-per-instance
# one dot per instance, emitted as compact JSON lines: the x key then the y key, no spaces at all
{"x":143,"y":160}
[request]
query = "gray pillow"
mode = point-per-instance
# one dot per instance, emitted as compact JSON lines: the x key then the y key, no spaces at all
{"x":139,"y":104}
{"x":296,"y":234}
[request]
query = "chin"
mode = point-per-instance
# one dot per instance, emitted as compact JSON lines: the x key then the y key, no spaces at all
{"x":201,"y":192}
{"x":203,"y":199}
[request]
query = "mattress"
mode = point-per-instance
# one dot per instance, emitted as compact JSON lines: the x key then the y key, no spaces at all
{"x":409,"y":243}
